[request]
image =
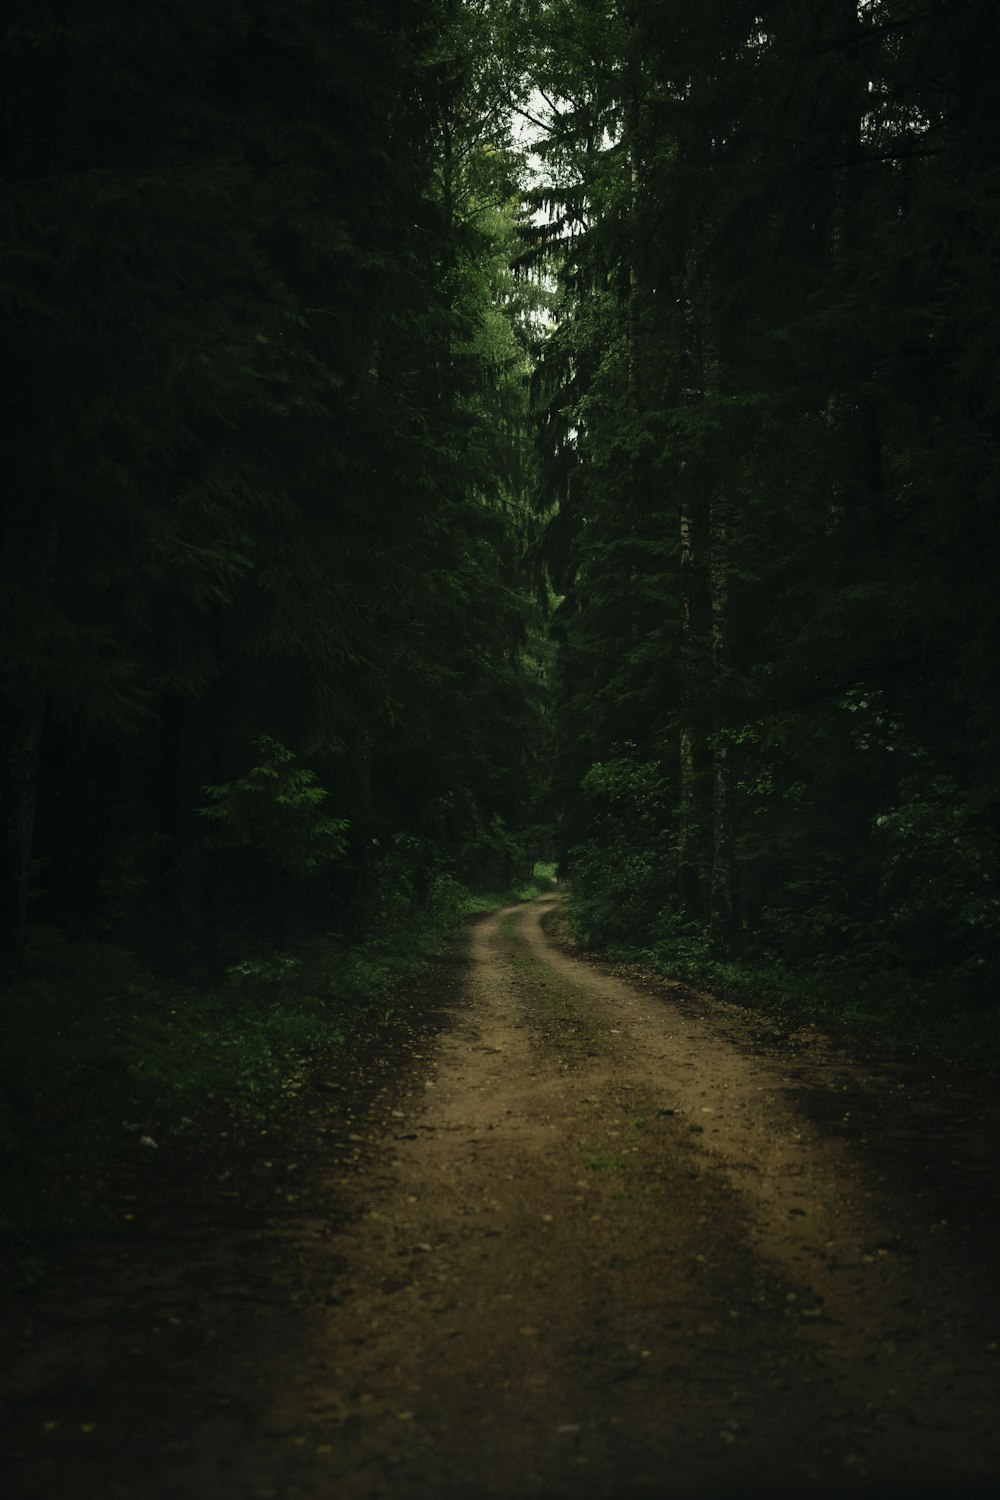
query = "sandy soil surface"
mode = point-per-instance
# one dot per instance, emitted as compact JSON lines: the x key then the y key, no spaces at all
{"x":596,"y":1236}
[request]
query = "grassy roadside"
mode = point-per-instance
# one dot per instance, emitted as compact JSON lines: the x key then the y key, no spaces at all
{"x":103,"y":1059}
{"x":855,"y":1000}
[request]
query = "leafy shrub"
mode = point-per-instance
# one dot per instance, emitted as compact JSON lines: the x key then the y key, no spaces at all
{"x":680,"y":947}
{"x":939,"y":895}
{"x":622,"y":875}
{"x":277,"y":808}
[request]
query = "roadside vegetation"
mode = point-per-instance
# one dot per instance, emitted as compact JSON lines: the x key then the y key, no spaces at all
{"x":863,"y":995}
{"x":774,"y":558}
{"x":105,"y":1059}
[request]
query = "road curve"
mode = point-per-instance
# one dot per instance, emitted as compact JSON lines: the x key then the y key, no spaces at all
{"x":604,"y":1251}
{"x":599,"y":1236}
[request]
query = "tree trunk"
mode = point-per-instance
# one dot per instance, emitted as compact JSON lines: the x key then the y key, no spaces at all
{"x":721,"y":901}
{"x":687,"y":858}
{"x":23,"y":711}
{"x":22,"y":706}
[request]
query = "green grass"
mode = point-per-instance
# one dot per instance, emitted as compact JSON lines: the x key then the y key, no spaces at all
{"x":859,"y":998}
{"x":541,"y":880}
{"x":99,"y":1052}
{"x":934,"y":1012}
{"x":600,"y":1161}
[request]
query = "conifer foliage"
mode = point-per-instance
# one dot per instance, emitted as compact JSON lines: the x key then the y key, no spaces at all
{"x":270,"y":665}
{"x":264,"y":470}
{"x":770,"y":453}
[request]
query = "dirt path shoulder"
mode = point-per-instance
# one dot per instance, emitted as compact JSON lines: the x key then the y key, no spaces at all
{"x":608,"y":1239}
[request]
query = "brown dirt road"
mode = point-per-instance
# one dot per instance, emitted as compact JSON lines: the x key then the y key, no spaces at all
{"x":602,"y":1237}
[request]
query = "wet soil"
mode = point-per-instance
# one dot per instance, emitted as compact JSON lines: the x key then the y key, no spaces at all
{"x":587,"y":1233}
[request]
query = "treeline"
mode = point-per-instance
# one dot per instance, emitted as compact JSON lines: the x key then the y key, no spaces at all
{"x":270,"y":666}
{"x":267,"y":664}
{"x":770,"y":436}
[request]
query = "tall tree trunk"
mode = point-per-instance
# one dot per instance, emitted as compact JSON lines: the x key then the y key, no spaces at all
{"x":687,"y":851}
{"x":690,"y":750}
{"x":847,"y":412}
{"x":31,"y":548}
{"x":721,"y":900}
{"x":23,"y":708}
{"x":637,"y":308}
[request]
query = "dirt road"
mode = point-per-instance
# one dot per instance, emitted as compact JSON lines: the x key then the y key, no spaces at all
{"x":604,"y":1237}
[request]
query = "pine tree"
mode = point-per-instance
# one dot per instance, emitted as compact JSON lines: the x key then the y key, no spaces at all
{"x":266,"y":457}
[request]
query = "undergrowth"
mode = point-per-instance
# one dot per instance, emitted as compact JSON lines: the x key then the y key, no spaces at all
{"x":854,"y":993}
{"x":102,"y":1057}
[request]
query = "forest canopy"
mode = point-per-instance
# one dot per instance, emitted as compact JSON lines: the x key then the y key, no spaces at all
{"x":444,"y":433}
{"x":268,"y":662}
{"x":768,"y":431}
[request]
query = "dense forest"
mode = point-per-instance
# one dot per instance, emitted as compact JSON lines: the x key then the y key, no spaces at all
{"x":447,"y":435}
{"x":270,"y":474}
{"x":769,"y":446}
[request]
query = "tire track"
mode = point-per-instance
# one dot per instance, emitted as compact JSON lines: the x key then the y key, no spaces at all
{"x":609,"y":1256}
